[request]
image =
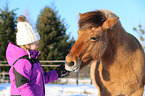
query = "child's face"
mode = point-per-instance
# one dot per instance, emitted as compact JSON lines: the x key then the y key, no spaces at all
{"x":33,"y":46}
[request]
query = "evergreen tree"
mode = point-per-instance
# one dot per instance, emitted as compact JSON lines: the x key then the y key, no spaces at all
{"x":54,"y":43}
{"x":7,"y":30}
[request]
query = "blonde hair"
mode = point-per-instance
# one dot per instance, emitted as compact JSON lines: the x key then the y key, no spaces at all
{"x":25,"y":47}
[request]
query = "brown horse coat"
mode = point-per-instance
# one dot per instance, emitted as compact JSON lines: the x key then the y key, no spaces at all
{"x":116,"y":57}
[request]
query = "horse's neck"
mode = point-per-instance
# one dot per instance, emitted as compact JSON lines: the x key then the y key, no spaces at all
{"x":117,"y":34}
{"x":118,"y":48}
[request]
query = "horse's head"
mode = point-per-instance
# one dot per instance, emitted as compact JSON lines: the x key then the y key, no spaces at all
{"x":92,"y":41}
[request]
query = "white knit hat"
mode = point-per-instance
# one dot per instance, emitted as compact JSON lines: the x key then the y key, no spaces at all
{"x":26,"y":34}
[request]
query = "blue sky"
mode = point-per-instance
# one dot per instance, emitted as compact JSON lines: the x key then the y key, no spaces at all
{"x":131,"y":12}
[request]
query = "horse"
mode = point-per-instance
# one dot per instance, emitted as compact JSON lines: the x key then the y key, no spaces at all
{"x":117,"y":58}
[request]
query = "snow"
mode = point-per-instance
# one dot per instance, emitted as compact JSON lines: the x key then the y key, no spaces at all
{"x":59,"y":90}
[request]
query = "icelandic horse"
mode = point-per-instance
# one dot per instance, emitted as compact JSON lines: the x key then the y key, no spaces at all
{"x":117,"y":58}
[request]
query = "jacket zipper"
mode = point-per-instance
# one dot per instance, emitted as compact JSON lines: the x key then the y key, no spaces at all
{"x":41,"y":74}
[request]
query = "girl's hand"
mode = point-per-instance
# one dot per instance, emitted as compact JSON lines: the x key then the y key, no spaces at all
{"x":61,"y":71}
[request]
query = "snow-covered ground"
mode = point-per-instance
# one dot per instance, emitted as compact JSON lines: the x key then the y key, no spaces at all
{"x":59,"y":90}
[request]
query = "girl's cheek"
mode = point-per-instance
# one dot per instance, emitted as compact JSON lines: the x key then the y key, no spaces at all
{"x":36,"y":46}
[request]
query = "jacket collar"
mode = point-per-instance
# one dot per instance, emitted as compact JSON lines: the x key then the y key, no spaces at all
{"x":34,"y":54}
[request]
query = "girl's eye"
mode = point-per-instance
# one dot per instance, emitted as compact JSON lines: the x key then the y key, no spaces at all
{"x":94,"y":38}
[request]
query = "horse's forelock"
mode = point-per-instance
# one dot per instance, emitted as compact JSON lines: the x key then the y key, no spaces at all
{"x":91,"y":19}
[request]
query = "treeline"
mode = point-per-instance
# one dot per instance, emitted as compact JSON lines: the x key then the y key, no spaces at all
{"x":54,"y":43}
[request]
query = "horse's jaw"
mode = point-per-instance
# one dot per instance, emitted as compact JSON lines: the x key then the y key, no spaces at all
{"x":74,"y":68}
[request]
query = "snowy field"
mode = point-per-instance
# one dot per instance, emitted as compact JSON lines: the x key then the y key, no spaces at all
{"x":59,"y":90}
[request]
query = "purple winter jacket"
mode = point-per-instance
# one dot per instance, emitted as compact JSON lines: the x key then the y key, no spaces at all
{"x":27,"y":79}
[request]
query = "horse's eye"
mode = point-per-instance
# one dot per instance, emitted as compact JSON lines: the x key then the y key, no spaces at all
{"x":94,"y":38}
{"x":90,"y":27}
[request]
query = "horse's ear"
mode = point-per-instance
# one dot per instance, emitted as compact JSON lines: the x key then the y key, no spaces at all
{"x":109,"y":23}
{"x":80,"y":14}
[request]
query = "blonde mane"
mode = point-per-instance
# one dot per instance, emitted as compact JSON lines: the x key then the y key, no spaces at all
{"x":110,"y":14}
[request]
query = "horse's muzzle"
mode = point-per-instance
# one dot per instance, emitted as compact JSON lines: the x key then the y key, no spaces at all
{"x":71,"y":66}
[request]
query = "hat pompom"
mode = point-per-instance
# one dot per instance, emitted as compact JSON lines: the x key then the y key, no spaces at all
{"x":21,"y":18}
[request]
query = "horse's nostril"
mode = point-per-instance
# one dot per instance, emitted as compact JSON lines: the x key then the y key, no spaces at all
{"x":71,"y":63}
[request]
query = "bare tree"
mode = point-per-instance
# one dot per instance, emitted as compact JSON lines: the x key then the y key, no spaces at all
{"x":141,"y":33}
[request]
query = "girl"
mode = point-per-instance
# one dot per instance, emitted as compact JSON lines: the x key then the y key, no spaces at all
{"x":26,"y":75}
